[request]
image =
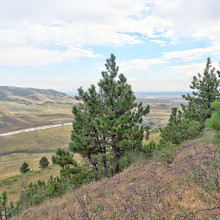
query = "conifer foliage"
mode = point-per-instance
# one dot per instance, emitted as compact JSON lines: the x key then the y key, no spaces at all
{"x":214,"y":123}
{"x":206,"y":90}
{"x":44,"y":162}
{"x":107,"y":122}
{"x":188,"y":123}
{"x":24,"y":168}
{"x":180,"y":128}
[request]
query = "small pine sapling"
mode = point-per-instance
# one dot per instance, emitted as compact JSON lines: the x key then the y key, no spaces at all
{"x":44,"y":162}
{"x":24,"y":168}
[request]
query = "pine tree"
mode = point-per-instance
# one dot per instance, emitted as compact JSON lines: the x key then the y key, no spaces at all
{"x":179,"y":128}
{"x":107,"y":122}
{"x":206,"y":91}
{"x":24,"y":168}
{"x":44,"y":162}
{"x":3,"y":203}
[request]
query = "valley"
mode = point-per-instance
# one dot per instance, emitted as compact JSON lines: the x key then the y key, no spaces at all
{"x":32,"y":142}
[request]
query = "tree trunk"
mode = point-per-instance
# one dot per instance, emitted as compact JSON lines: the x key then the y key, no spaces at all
{"x":104,"y":160}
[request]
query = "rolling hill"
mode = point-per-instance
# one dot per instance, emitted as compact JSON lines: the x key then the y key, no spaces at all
{"x":29,"y":107}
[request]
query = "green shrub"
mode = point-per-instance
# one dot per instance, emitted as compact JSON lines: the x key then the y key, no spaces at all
{"x":214,"y":122}
{"x":36,"y":193}
{"x":5,"y":210}
{"x":148,"y":149}
{"x":24,"y":168}
{"x":44,"y":162}
{"x":180,"y":128}
{"x":130,"y":158}
{"x":77,"y":175}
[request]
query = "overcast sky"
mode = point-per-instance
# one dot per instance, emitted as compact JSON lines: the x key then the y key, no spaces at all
{"x":159,"y":44}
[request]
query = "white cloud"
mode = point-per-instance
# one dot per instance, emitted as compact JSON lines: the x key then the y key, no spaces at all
{"x":144,"y":65}
{"x":190,"y":70}
{"x":192,"y":54}
{"x":34,"y":33}
{"x":186,"y":71}
{"x":30,"y":56}
{"x":54,"y":26}
{"x":140,"y":65}
{"x":161,"y":42}
{"x":197,"y":18}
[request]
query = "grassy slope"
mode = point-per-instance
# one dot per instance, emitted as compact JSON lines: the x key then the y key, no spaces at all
{"x":47,"y":140}
{"x":29,"y":147}
{"x":14,"y":184}
{"x":36,"y":144}
{"x":137,"y":185}
{"x":27,"y":107}
{"x":17,"y":181}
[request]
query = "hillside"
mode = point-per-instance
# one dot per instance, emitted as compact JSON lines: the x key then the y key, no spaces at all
{"x":30,"y":147}
{"x":16,"y":94}
{"x":144,"y":189}
{"x":28,"y":107}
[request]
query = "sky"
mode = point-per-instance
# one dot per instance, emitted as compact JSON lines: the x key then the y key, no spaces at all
{"x":159,"y":44}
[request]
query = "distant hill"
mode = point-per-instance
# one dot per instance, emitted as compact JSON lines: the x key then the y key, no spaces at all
{"x":9,"y":93}
{"x":29,"y":107}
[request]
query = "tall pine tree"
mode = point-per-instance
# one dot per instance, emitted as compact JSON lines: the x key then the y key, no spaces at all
{"x":107,"y":122}
{"x":206,"y":91}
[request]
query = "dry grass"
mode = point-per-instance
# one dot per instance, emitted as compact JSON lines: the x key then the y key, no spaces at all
{"x":12,"y":180}
{"x":143,"y":187}
{"x":30,"y":147}
{"x":14,"y":116}
{"x":14,"y":184}
{"x":47,"y":140}
{"x":25,"y":108}
{"x":11,"y":169}
{"x":154,"y":136}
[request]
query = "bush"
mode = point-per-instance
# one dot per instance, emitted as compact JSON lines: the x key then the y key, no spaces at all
{"x":180,"y":128}
{"x":130,"y":158}
{"x":77,"y":175}
{"x":44,"y":162}
{"x":5,"y":210}
{"x":36,"y":193}
{"x":167,"y":152}
{"x":148,"y":149}
{"x":214,"y":122}
{"x":24,"y":168}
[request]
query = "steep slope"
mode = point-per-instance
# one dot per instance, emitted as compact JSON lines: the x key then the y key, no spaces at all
{"x":144,"y":189}
{"x":29,"y":107}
